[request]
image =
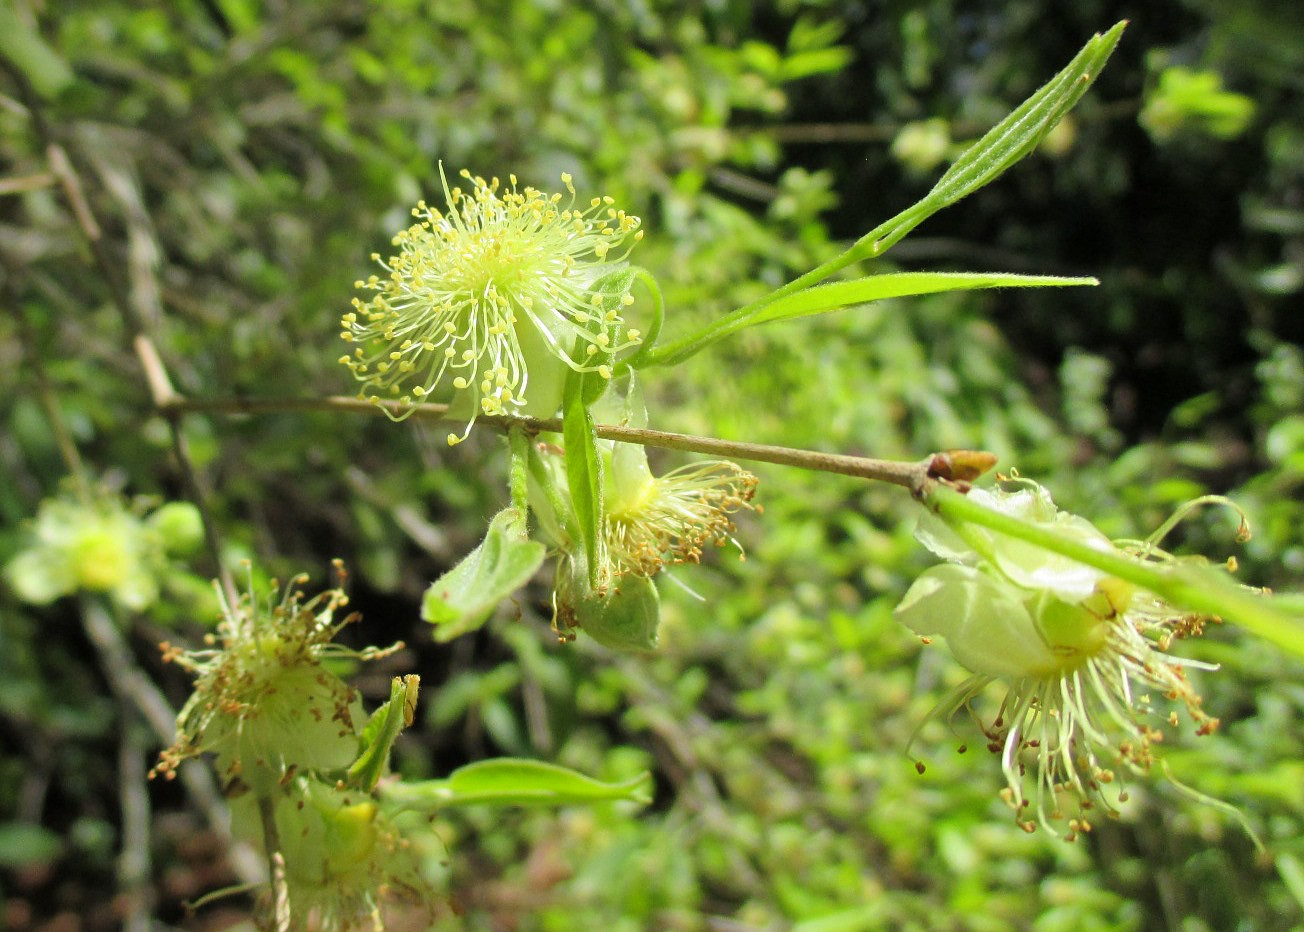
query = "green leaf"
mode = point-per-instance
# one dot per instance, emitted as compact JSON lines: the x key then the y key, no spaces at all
{"x":463,"y":598}
{"x":508,"y":781}
{"x":583,"y":470}
{"x":1004,"y":144}
{"x":1020,"y":132}
{"x":27,"y":51}
{"x":382,"y":730}
{"x":823,"y":298}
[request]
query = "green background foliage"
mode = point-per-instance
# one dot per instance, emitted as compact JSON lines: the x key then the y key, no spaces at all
{"x":245,"y":158}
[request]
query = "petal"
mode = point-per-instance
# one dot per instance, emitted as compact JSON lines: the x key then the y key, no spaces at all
{"x":984,"y":619}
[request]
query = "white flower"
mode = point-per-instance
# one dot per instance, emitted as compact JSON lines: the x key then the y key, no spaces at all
{"x":1081,"y":654}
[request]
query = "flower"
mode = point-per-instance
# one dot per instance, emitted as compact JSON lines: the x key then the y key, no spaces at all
{"x":99,"y":543}
{"x":492,"y":300}
{"x":1081,"y":654}
{"x":263,"y":701}
{"x":668,"y":519}
{"x":344,"y":854}
{"x":648,"y":522}
{"x":287,"y":734}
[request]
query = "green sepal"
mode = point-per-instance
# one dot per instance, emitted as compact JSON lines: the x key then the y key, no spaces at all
{"x":463,"y":598}
{"x":624,"y":618}
{"x":382,"y":729}
{"x":583,"y":471}
{"x":509,"y":781}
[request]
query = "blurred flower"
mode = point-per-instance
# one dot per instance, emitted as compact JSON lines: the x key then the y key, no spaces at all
{"x":344,"y":855}
{"x":100,"y":544}
{"x":1080,"y":653}
{"x":493,"y":301}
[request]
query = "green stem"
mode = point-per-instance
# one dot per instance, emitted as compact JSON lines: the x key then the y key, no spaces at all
{"x":518,"y":441}
{"x":1199,"y":589}
{"x":543,"y":478}
{"x":654,"y":326}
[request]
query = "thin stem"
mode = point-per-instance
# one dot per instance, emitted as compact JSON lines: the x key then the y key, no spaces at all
{"x":49,"y":403}
{"x":906,"y":474}
{"x":654,"y":326}
{"x":134,"y":861}
{"x":518,"y":478}
{"x":1200,"y":589}
{"x":275,"y":865}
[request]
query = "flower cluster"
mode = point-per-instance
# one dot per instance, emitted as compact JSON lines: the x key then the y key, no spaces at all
{"x":492,"y":301}
{"x":101,"y":544}
{"x":1082,"y":655}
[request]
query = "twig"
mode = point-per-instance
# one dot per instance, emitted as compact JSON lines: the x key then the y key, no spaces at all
{"x":134,"y":860}
{"x":910,"y":475}
{"x":275,"y":865}
{"x":19,"y":184}
{"x":45,"y":394}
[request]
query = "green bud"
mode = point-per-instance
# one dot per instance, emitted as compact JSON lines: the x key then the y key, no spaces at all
{"x":179,"y":527}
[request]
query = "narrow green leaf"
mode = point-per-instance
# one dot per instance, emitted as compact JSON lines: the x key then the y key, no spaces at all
{"x":823,"y":298}
{"x":1020,"y":132}
{"x":1006,"y":143}
{"x":463,"y":598}
{"x":583,"y":470}
{"x":1003,"y":145}
{"x":382,"y":729}
{"x":508,"y":781}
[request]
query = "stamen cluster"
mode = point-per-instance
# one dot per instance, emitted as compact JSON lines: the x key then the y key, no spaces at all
{"x":491,"y":300}
{"x":674,"y":516}
{"x":263,"y":702}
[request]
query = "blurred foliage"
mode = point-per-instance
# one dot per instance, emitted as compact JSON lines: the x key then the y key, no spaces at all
{"x":246,"y":157}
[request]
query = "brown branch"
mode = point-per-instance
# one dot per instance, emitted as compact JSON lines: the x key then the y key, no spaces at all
{"x":956,"y":465}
